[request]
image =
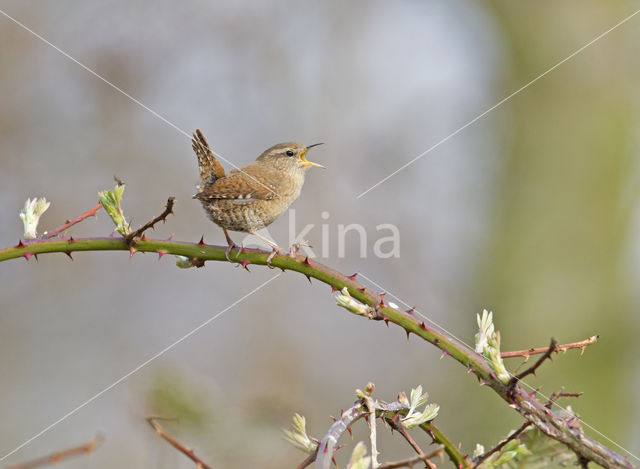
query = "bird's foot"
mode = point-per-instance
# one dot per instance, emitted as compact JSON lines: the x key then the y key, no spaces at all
{"x":228,"y":250}
{"x":295,"y":247}
{"x":276,"y":250}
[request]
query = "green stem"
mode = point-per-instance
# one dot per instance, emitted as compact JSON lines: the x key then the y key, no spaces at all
{"x":451,"y":449}
{"x":297,"y":263}
{"x":525,"y":404}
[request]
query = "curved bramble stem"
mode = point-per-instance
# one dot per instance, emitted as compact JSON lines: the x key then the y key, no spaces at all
{"x":523,"y":402}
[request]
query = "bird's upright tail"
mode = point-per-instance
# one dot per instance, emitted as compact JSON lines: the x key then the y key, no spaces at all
{"x":208,"y":165}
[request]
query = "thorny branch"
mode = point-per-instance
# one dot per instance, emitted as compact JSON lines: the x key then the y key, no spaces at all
{"x":168,"y":210}
{"x":410,"y":462}
{"x":59,"y":456}
{"x":582,"y":345}
{"x":553,"y":347}
{"x":397,"y":426}
{"x":502,"y":444}
{"x":69,"y":223}
{"x":176,"y":444}
{"x":524,"y":403}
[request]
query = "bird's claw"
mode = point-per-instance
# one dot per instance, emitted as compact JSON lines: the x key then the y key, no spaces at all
{"x":276,"y":250}
{"x":295,"y":247}
{"x":228,"y":251}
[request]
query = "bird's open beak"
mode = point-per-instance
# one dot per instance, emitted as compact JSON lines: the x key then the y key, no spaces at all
{"x":307,"y":162}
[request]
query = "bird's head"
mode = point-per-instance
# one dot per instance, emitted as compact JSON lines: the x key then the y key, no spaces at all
{"x":289,"y":156}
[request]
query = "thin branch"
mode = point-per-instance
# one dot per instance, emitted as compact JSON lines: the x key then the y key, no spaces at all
{"x":308,"y":461}
{"x":176,"y":444}
{"x":480,"y":459}
{"x":168,"y":210}
{"x":59,"y":456}
{"x":532,"y":369}
{"x":414,"y":460}
{"x":582,"y":345}
{"x":455,"y":455}
{"x":557,"y":395}
{"x":69,"y":223}
{"x":371,"y":408}
{"x":397,"y":426}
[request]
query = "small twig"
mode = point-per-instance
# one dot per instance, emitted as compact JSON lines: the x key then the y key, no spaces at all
{"x":414,"y":460}
{"x":168,"y":209}
{"x":532,"y":369}
{"x":371,"y":407}
{"x":582,"y":345}
{"x":307,"y":462}
{"x":501,"y":445}
{"x":397,"y":426}
{"x":556,"y":395}
{"x":57,"y":457}
{"x":176,"y":444}
{"x":69,"y":223}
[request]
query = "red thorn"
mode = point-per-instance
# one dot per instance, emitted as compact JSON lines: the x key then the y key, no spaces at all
{"x":143,"y":238}
{"x":386,"y":320}
{"x":20,"y":244}
{"x":436,"y":341}
{"x":27,"y":255}
{"x":201,"y":242}
{"x":245,"y":263}
{"x":326,"y":449}
{"x":363,"y":289}
{"x":411,"y":310}
{"x":132,"y":251}
{"x":170,"y":238}
{"x":350,"y":432}
{"x":366,"y":418}
{"x":306,"y":261}
{"x":110,"y":236}
{"x":72,"y":239}
{"x":353,"y":277}
{"x":242,"y":249}
{"x":161,"y":252}
{"x":68,"y":253}
{"x":422,"y":326}
{"x":67,"y":222}
{"x":308,"y":278}
{"x":333,"y":289}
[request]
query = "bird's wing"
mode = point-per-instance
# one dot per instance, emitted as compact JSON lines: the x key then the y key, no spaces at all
{"x":210,"y":168}
{"x":239,"y":187}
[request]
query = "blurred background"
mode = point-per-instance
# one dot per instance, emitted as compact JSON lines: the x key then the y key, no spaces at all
{"x":531,"y":212}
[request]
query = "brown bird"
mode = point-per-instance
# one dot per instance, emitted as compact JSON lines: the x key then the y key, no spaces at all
{"x":252,"y":197}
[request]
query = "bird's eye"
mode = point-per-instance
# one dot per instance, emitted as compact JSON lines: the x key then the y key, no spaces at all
{"x":289,"y":153}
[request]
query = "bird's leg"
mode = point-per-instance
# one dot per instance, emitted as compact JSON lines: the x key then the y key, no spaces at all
{"x":230,"y":244}
{"x":274,"y":246}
